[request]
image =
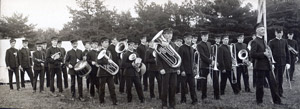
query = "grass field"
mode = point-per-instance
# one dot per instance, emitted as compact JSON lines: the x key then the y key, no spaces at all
{"x":26,"y":99}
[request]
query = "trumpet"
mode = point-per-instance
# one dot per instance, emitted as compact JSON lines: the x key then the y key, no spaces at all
{"x":111,"y":68}
{"x":290,"y":48}
{"x":56,"y":55}
{"x":167,"y":53}
{"x":234,"y":63}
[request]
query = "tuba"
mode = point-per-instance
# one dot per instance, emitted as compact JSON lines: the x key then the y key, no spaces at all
{"x":111,"y":68}
{"x":167,"y":53}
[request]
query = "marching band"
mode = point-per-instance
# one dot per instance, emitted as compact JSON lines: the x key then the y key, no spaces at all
{"x":173,"y":63}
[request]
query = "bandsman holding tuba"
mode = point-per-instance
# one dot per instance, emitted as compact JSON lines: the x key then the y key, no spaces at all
{"x":169,"y":72}
{"x":104,"y":74}
{"x":243,"y":62}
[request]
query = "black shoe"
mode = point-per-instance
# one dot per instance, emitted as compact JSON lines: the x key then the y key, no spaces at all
{"x":194,"y":102}
{"x":145,"y":89}
{"x":101,"y":102}
{"x":142,"y":101}
{"x":129,"y":101}
{"x":115,"y":103}
{"x":222,"y":93}
{"x":183,"y":101}
{"x":203,"y":97}
{"x":81,"y":99}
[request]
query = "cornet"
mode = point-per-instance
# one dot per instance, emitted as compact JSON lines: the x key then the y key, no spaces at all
{"x":137,"y":62}
{"x":167,"y":53}
{"x":295,"y":52}
{"x":56,"y":55}
{"x":111,"y":68}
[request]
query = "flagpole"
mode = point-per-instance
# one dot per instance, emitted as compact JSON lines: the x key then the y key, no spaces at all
{"x":265,"y":20}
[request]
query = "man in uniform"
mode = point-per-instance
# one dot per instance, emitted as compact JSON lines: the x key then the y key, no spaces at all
{"x":25,"y":61}
{"x":294,"y":56}
{"x":12,"y":63}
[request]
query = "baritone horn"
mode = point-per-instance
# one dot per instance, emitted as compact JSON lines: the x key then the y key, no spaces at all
{"x":111,"y":68}
{"x":167,"y":53}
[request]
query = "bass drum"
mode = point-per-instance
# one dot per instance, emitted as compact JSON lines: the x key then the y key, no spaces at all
{"x":82,"y":68}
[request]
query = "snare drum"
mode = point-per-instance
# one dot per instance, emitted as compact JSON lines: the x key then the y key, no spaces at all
{"x":82,"y":68}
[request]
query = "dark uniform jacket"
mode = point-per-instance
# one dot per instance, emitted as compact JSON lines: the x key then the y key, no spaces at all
{"x":280,"y":51}
{"x":240,"y":46}
{"x":163,"y":65}
{"x":24,"y":58}
{"x":129,"y":70}
{"x":293,"y":43}
{"x":103,"y":62}
{"x":73,"y":57}
{"x":186,"y":53}
{"x":141,"y":50}
{"x":92,"y":56}
{"x":114,"y":54}
{"x":51,"y":62}
{"x":258,"y":48}
{"x":150,"y":60}
{"x":45,"y":63}
{"x":204,"y":50}
{"x":11,"y":58}
{"x":37,"y":64}
{"x":224,"y":58}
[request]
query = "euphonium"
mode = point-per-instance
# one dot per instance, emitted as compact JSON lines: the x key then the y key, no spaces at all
{"x":167,"y":53}
{"x":111,"y":68}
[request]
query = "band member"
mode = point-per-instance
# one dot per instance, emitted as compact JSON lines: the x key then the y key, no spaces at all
{"x":12,"y":63}
{"x":122,"y":73}
{"x":178,"y":42}
{"x":25,"y":61}
{"x":54,"y":60}
{"x":46,"y":68}
{"x":281,"y":56}
{"x":105,"y":76}
{"x":260,"y":54}
{"x":242,"y":68}
{"x":169,"y":74}
{"x":225,"y":66}
{"x":91,"y":58}
{"x":204,"y":48}
{"x":63,"y":66}
{"x":87,"y":46}
{"x":131,"y":74}
{"x":293,"y":55}
{"x":114,"y":56}
{"x":252,"y":61}
{"x":38,"y":60}
{"x":186,"y":52}
{"x":72,"y":58}
{"x":141,"y":50}
{"x":150,"y":61}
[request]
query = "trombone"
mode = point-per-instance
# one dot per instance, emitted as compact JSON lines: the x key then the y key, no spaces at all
{"x":197,"y":62}
{"x":234,"y":63}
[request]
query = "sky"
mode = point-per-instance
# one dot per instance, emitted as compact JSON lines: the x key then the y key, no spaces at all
{"x":54,"y":13}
